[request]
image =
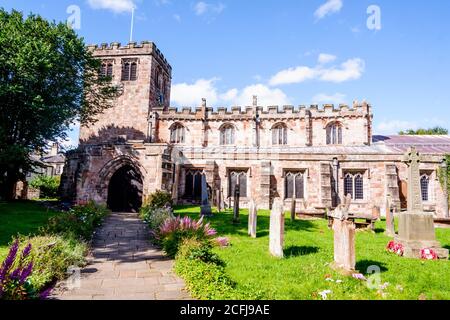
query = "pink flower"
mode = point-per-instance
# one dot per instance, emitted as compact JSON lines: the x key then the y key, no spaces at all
{"x":428,"y":254}
{"x":359,"y":276}
{"x":222,"y":241}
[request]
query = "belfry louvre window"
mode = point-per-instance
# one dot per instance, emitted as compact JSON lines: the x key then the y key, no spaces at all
{"x":129,"y":70}
{"x":177,"y":134}
{"x":279,"y":134}
{"x":354,"y":185}
{"x":237,"y":178}
{"x":294,"y":184}
{"x":334,"y":134}
{"x":227,"y":135}
{"x":425,"y":187}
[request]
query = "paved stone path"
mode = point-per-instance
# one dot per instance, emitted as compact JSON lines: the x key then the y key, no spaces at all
{"x":125,"y":266}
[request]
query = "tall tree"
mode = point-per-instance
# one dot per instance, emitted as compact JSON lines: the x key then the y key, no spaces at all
{"x":48,"y":80}
{"x":422,"y":132}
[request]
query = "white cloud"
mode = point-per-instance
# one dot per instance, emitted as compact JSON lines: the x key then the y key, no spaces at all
{"x":351,"y":69}
{"x":184,"y":94}
{"x":336,"y":98}
{"x":117,"y":6}
{"x":190,"y":95}
{"x":328,"y":8}
{"x":202,"y":8}
{"x":177,"y":17}
{"x":325,"y":58}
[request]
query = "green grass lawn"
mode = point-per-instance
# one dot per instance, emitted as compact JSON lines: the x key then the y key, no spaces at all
{"x":308,"y":250}
{"x":20,"y":218}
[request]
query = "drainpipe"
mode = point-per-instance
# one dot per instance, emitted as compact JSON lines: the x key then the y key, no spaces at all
{"x":444,"y":168}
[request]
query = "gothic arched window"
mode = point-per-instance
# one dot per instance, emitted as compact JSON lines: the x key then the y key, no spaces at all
{"x":227,"y":135}
{"x":354,"y":185}
{"x":237,"y":179}
{"x":279,"y":134}
{"x":177,"y":134}
{"x":294,"y":184}
{"x":107,"y":69}
{"x":425,"y":187}
{"x":129,"y":70}
{"x":334,"y":133}
{"x":193,"y":184}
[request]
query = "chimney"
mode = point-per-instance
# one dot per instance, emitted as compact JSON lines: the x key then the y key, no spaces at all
{"x":54,"y":150}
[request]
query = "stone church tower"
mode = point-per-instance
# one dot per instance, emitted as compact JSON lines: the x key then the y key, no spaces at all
{"x":144,"y":77}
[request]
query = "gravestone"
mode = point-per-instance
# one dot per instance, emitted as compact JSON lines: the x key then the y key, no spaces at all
{"x":293,"y":207}
{"x":416,"y":227}
{"x":206,"y":206}
{"x":236,"y":204}
{"x":344,"y":239}
{"x":252,"y":218}
{"x":390,"y":226}
{"x":276,"y":236}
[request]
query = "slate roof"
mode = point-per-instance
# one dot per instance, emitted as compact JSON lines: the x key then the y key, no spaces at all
{"x":433,"y":144}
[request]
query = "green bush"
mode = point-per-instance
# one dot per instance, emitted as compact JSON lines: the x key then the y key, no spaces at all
{"x":205,"y":276}
{"x":79,"y":222}
{"x":52,"y":256}
{"x":47,"y":185}
{"x":158,"y":199}
{"x":155,"y":217}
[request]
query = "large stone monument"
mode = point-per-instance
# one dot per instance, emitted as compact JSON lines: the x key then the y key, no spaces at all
{"x":416,"y":227}
{"x":344,"y":239}
{"x":206,"y":206}
{"x":252,"y":218}
{"x":277,"y":229}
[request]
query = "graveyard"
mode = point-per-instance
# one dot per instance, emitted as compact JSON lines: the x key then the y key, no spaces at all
{"x":308,"y":252}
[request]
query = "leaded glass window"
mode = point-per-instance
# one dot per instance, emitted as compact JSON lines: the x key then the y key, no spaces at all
{"x":294,"y":184}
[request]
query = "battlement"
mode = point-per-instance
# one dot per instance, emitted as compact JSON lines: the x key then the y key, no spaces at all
{"x":288,"y":111}
{"x":132,"y":48}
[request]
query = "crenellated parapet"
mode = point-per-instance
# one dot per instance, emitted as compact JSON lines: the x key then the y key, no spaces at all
{"x":362,"y":110}
{"x":131,"y":49}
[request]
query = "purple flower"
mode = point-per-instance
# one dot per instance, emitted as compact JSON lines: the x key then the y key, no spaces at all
{"x":26,"y":273}
{"x":46,"y":292}
{"x":26,"y":251}
{"x":9,"y":261}
{"x":15,"y":274}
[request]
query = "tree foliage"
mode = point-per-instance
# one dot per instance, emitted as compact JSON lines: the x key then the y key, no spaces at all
{"x":423,"y":132}
{"x":48,"y":80}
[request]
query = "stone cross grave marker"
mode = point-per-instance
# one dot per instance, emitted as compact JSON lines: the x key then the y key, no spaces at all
{"x":252,"y":219}
{"x":416,"y":227}
{"x":277,"y":229}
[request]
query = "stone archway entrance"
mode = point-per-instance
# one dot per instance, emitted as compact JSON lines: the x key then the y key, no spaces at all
{"x":125,"y":190}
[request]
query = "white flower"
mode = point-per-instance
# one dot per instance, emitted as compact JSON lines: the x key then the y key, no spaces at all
{"x":324,"y":294}
{"x":339,"y":281}
{"x":329,"y":279}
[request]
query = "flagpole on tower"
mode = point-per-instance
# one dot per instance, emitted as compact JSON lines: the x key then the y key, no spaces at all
{"x":132,"y":23}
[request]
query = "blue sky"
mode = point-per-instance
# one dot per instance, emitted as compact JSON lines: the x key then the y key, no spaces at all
{"x":287,"y":51}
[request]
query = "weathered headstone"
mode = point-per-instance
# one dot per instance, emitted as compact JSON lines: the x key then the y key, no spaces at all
{"x":293,"y":208}
{"x":236,"y":204}
{"x":416,"y":227}
{"x":277,"y":229}
{"x":390,"y":226}
{"x":344,"y":238}
{"x":206,"y":206}
{"x":252,"y":218}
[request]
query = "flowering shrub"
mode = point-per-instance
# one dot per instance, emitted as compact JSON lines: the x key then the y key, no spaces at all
{"x":14,"y":276}
{"x":396,"y":248}
{"x":80,"y":221}
{"x":155,"y":217}
{"x":222,"y":242}
{"x":428,"y":254}
{"x":173,"y":231}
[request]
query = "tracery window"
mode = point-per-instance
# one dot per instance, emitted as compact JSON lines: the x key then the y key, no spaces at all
{"x":237,"y":178}
{"x":294,"y":184}
{"x":129,"y":70}
{"x":107,"y":69}
{"x":354,"y":185}
{"x":227,"y":135}
{"x":193,"y":184}
{"x":177,"y":134}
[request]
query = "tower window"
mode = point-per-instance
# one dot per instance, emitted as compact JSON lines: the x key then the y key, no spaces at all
{"x":129,"y":70}
{"x":106,"y":69}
